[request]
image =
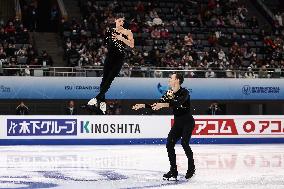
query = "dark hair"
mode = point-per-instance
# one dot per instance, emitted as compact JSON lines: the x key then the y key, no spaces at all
{"x":180,"y":77}
{"x":118,"y":15}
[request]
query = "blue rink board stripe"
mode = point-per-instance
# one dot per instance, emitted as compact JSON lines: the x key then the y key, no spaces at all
{"x":137,"y":141}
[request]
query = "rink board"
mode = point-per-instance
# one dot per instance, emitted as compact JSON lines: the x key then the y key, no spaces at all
{"x":149,"y":88}
{"x":112,"y":130}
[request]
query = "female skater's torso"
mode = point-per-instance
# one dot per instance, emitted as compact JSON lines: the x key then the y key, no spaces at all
{"x":115,"y":48}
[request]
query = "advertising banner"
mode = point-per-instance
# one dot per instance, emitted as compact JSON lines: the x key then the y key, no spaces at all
{"x":137,"y":129}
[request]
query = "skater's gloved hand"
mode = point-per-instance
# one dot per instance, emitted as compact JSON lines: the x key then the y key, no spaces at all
{"x":138,"y":106}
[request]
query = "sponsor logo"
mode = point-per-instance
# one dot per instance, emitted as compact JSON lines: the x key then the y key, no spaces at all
{"x":247,"y":90}
{"x":41,"y":127}
{"x":163,"y":89}
{"x":111,"y":128}
{"x":263,"y":127}
{"x":81,"y":87}
{"x":5,"y":89}
{"x":215,"y":127}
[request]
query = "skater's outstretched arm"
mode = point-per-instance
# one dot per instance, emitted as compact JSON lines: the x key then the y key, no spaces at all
{"x":164,"y":102}
{"x":159,"y":105}
{"x":172,"y":103}
{"x":140,"y":106}
{"x":173,"y":98}
{"x":168,"y":100}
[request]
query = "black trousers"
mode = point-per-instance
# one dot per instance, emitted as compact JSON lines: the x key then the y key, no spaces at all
{"x":182,"y":129}
{"x":112,"y":67}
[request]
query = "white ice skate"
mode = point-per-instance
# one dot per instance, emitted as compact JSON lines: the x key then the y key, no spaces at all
{"x":93,"y":102}
{"x":103,"y":107}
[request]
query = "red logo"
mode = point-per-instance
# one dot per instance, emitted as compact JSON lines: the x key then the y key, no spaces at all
{"x":263,"y":127}
{"x":215,"y":127}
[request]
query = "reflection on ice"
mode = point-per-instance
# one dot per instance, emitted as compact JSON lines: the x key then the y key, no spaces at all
{"x":137,"y":166}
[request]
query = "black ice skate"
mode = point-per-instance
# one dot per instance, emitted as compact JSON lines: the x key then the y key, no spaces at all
{"x":173,"y":173}
{"x":189,"y":173}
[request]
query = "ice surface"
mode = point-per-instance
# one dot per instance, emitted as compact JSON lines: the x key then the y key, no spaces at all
{"x":140,"y":166}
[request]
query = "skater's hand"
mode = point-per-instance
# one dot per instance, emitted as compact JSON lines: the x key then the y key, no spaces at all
{"x":138,"y":106}
{"x":157,"y":106}
{"x":117,"y":37}
{"x":114,"y":36}
{"x":170,"y":94}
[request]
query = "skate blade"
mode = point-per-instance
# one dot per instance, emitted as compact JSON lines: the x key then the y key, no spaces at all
{"x":170,"y":179}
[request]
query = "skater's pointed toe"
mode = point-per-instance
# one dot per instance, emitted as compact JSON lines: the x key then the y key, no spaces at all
{"x":92,"y":102}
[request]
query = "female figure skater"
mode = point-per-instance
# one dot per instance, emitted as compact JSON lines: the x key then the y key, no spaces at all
{"x":117,"y":39}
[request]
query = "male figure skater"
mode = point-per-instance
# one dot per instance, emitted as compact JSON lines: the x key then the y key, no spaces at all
{"x":116,"y":39}
{"x":177,"y":98}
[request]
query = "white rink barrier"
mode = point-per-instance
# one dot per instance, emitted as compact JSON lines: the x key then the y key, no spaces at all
{"x":84,"y":130}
